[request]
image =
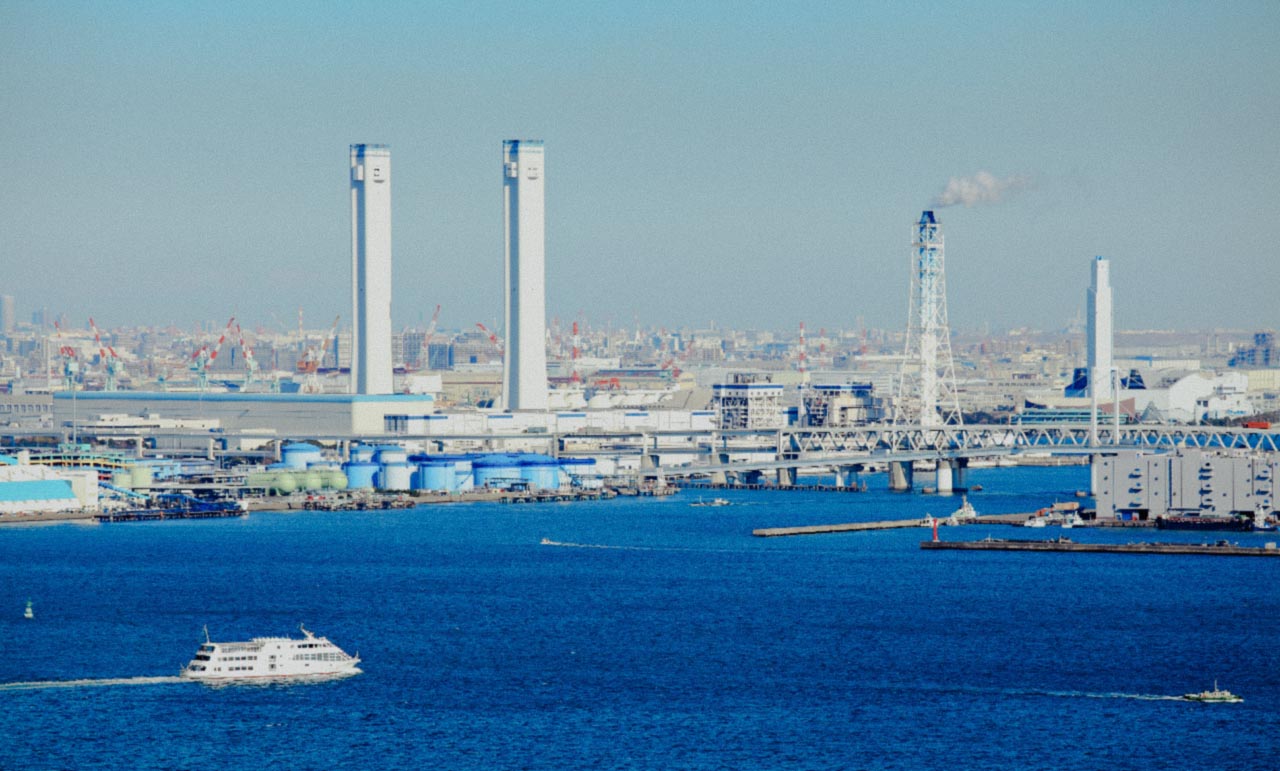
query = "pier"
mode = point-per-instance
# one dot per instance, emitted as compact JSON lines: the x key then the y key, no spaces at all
{"x":891,"y":524}
{"x":1219,"y":549}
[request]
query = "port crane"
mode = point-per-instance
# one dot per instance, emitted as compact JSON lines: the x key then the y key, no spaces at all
{"x":70,"y":366}
{"x":493,"y":339}
{"x":204,"y":358}
{"x":113,"y":367}
{"x":251,"y":365}
{"x":313,"y":357}
{"x":424,"y":358}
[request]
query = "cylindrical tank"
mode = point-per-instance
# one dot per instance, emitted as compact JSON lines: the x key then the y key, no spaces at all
{"x":495,"y":470}
{"x":360,"y":475}
{"x":310,"y":480}
{"x":541,"y":471}
{"x":361,"y":453}
{"x":391,"y":453}
{"x":434,"y":475}
{"x":298,"y":454}
{"x":395,"y":476}
{"x":140,"y":476}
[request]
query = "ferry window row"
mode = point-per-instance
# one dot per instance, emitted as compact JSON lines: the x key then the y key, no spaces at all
{"x":319,"y":657}
{"x":237,"y":658}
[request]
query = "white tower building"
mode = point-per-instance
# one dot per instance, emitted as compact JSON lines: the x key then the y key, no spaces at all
{"x":927,"y":389}
{"x":371,"y":268}
{"x":1100,"y":330}
{"x":524,"y":368}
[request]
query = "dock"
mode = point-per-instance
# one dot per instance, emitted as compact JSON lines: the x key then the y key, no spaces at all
{"x":892,"y":524}
{"x":1220,"y":549}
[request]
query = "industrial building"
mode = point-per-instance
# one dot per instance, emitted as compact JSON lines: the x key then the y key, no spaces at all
{"x":749,"y":401}
{"x":524,"y":373}
{"x":31,"y":488}
{"x":1145,"y":485}
{"x":840,"y":406}
{"x":267,"y":413}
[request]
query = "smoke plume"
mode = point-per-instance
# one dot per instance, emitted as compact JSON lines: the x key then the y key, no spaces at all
{"x":982,"y":187}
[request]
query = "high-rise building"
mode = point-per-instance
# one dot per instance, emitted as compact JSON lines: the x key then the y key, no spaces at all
{"x":1100,"y":329}
{"x":524,"y":367}
{"x":7,"y":320}
{"x":371,"y":370}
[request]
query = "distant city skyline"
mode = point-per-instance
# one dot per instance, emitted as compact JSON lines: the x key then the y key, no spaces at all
{"x":749,"y":165}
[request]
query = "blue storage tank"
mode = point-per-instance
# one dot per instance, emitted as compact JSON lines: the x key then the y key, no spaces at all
{"x":435,"y":475}
{"x":298,"y":454}
{"x":388,"y":454}
{"x":541,"y":471}
{"x":362,"y":453}
{"x":395,"y":476}
{"x":495,"y":470}
{"x":360,"y":475}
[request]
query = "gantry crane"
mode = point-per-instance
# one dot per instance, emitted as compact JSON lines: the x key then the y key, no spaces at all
{"x":204,"y":358}
{"x":313,"y":357}
{"x":112,"y":366}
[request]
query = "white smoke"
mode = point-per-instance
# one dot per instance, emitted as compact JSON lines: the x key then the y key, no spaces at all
{"x":982,"y":187}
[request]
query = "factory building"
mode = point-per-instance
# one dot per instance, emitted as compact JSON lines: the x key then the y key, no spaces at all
{"x":1144,"y":485}
{"x":749,"y":401}
{"x":268,"y":413}
{"x":371,"y":367}
{"x":524,"y":375}
{"x":840,"y":406}
{"x":30,"y":488}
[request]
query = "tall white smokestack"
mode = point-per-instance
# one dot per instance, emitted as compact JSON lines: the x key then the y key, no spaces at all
{"x":1100,"y":329}
{"x":524,"y":368}
{"x":371,"y":371}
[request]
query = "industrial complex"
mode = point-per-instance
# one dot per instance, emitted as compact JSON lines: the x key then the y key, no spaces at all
{"x":228,"y":413}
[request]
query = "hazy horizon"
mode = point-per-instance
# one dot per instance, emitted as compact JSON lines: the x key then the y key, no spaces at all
{"x":755,"y":165}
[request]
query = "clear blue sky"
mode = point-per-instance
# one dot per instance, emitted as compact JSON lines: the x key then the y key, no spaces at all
{"x":755,"y":164}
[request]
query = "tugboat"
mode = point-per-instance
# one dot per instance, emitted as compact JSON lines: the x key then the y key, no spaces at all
{"x":28,"y":613}
{"x":1215,"y":696}
{"x":270,"y":658}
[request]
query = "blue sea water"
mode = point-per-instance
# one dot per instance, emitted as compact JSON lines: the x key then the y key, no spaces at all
{"x":665,"y":637}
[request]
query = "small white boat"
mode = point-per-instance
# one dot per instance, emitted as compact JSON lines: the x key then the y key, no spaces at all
{"x":1215,"y":696}
{"x":712,"y":502}
{"x":28,"y":613}
{"x":1034,"y":522}
{"x":966,"y":510}
{"x":1072,"y":520}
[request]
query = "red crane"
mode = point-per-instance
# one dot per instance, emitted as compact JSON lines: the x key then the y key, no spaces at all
{"x":492,"y":338}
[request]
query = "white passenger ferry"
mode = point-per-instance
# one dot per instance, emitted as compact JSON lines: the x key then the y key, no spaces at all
{"x":266,"y":658}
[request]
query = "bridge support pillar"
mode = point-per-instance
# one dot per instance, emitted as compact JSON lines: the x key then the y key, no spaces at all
{"x":900,"y":476}
{"x":753,"y":477}
{"x":721,"y":477}
{"x":847,"y":476}
{"x":786,"y":477}
{"x":944,"y":478}
{"x":960,"y":467}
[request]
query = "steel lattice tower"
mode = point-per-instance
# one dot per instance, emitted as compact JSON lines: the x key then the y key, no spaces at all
{"x":927,"y":388}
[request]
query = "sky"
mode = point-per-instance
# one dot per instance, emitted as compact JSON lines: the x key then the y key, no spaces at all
{"x":751,"y":165}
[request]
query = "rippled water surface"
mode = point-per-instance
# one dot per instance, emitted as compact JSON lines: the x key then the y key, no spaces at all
{"x":650,"y":634}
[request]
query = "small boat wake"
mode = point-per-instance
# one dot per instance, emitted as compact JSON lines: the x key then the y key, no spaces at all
{"x":1087,"y":695}
{"x":571,"y":545}
{"x":40,"y":685}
